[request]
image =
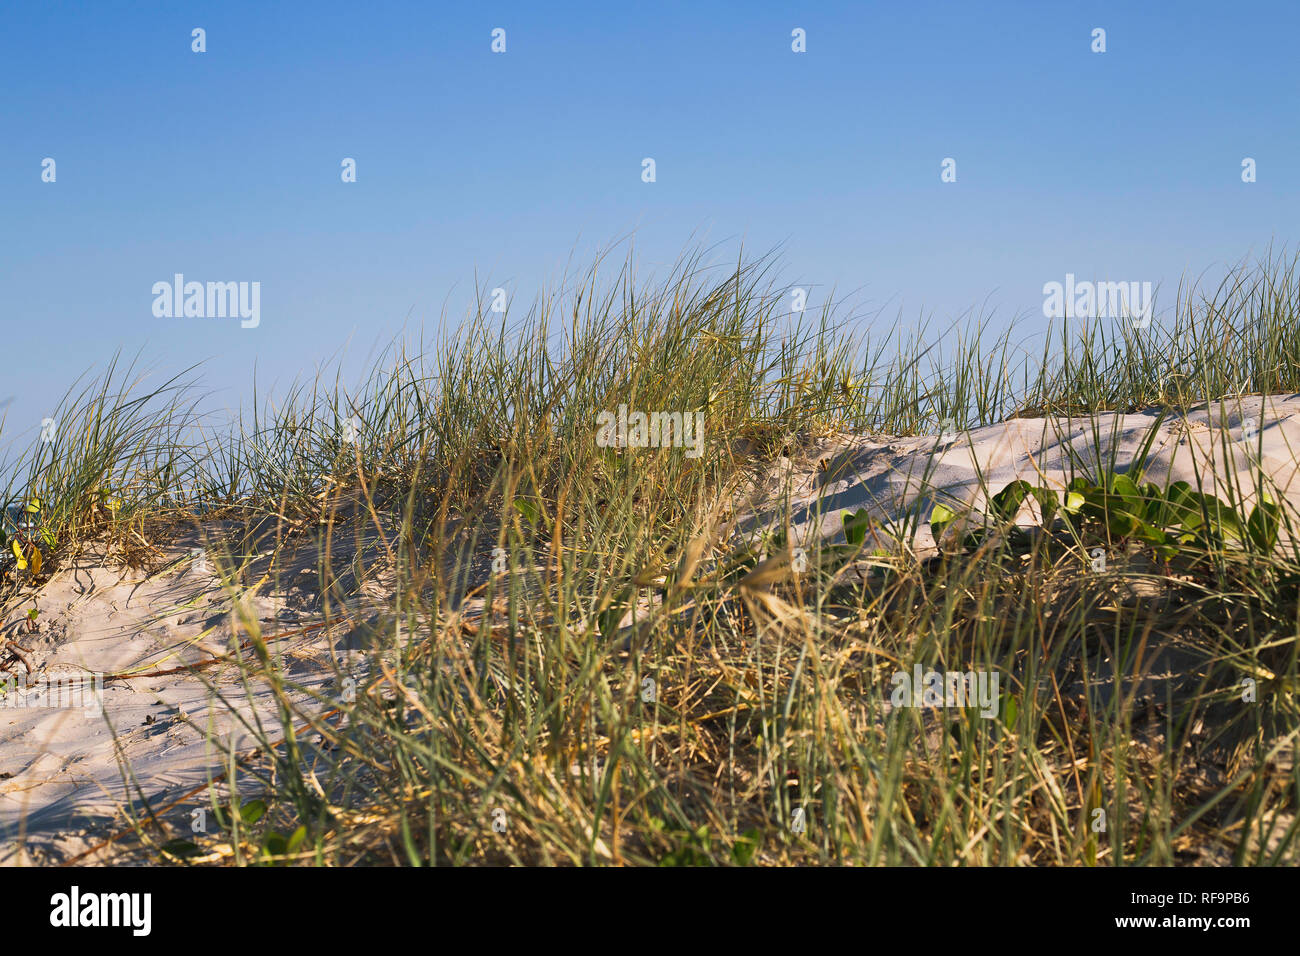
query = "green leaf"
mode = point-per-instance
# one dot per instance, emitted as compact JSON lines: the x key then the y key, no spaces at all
{"x":1181,"y":506}
{"x":1221,"y":520}
{"x":1095,"y":503}
{"x":1010,"y":710}
{"x":856,"y":524}
{"x":252,"y":811}
{"x":1007,"y":502}
{"x":607,"y":621}
{"x":1155,"y":509}
{"x":1124,"y":486}
{"x":940,"y":518}
{"x":746,"y":845}
{"x":296,"y":838}
{"x":1150,"y":533}
{"x":1123,"y":509}
{"x":532,"y":514}
{"x":1263,"y":525}
{"x":275,"y":844}
{"x":1121,"y":524}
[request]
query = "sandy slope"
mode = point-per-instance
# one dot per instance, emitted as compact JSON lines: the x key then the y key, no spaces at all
{"x":892,"y":477}
{"x":64,"y":752}
{"x":63,"y":783}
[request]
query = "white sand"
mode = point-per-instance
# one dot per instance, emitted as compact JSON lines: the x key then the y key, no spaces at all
{"x":891,"y":478}
{"x":64,"y":783}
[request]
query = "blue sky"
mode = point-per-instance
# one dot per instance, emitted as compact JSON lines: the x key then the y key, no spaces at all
{"x":225,"y":165}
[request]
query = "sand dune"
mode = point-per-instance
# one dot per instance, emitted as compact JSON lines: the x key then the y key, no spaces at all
{"x":1219,"y":447}
{"x":71,"y":772}
{"x":113,"y":711}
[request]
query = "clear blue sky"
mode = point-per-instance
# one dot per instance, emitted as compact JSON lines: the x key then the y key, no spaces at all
{"x":225,"y":165}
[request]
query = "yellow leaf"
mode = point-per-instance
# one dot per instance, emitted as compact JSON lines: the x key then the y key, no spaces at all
{"x":35,"y":559}
{"x":18,"y":553}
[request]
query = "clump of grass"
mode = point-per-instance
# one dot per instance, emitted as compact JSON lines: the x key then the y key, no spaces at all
{"x":584,"y":660}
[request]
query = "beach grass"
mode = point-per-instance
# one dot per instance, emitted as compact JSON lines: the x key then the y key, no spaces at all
{"x":587,"y":656}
